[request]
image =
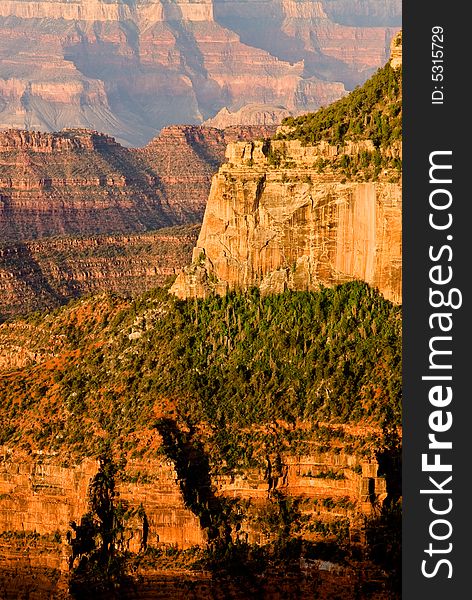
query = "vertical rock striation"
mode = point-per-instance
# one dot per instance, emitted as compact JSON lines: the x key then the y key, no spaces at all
{"x":294,"y":227}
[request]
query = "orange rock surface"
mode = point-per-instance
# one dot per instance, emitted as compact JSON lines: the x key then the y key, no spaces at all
{"x":293,"y":227}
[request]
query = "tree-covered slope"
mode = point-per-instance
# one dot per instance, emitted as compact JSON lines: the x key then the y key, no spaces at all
{"x":105,"y":368}
{"x":372,"y":111}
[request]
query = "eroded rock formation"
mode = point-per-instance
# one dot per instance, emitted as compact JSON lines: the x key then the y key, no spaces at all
{"x":39,"y":495}
{"x":291,"y":226}
{"x":252,"y":114}
{"x":75,"y":182}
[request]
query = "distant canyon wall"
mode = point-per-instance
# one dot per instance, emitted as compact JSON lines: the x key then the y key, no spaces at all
{"x":130,"y":68}
{"x":44,"y":274}
{"x":294,"y":227}
{"x":80,"y":182}
{"x":79,"y":212}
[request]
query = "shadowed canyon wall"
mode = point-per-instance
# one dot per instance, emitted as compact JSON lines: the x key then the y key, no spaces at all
{"x":45,"y":273}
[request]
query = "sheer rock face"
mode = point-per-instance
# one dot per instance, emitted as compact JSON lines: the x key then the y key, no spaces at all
{"x":130,"y":68}
{"x":293,"y":227}
{"x":40,"y":495}
{"x":185,"y":158}
{"x":46,"y":497}
{"x":80,"y":182}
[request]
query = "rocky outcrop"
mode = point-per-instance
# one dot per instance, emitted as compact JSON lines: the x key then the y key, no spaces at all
{"x":46,"y":273}
{"x":252,"y":114}
{"x":288,"y":225}
{"x":80,"y":182}
{"x":85,"y":190}
{"x":43,"y":497}
{"x":396,"y":51}
{"x":130,"y":68}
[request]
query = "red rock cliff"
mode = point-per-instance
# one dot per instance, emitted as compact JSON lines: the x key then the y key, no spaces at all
{"x":294,"y":227}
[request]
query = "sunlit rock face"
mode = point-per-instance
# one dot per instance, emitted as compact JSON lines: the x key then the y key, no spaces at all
{"x":128,"y":68}
{"x":284,"y":215}
{"x":292,"y":227}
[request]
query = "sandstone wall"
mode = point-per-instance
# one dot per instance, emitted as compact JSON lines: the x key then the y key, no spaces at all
{"x":44,"y":497}
{"x":80,"y":182}
{"x":38,"y":494}
{"x":294,"y":227}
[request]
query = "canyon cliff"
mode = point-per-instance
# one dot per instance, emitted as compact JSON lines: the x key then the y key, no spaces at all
{"x":320,"y":203}
{"x":237,"y":429}
{"x":78,"y":210}
{"x":75,"y":182}
{"x":292,"y":227}
{"x":129,"y":68}
{"x":39,"y":499}
{"x":203,"y":463}
{"x":80,"y":182}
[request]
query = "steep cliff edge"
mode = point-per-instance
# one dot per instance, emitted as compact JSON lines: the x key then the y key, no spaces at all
{"x":291,"y":227}
{"x":185,"y":158}
{"x":66,"y":198}
{"x":319,"y":204}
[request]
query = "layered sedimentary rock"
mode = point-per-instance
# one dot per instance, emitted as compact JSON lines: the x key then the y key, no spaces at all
{"x":76,"y":182}
{"x":291,"y":226}
{"x":130,"y":68}
{"x":46,"y":273}
{"x":80,"y":182}
{"x":40,"y":496}
{"x":44,"y":498}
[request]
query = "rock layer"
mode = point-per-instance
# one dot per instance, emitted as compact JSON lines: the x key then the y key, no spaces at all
{"x":76,"y":182}
{"x":42,"y":496}
{"x":252,"y":114}
{"x":79,"y":182}
{"x":46,"y":273}
{"x":294,"y":227}
{"x":130,"y":68}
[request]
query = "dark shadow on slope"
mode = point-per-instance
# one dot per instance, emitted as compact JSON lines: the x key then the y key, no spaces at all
{"x":291,"y":49}
{"x":193,"y":471}
{"x":216,"y":515}
{"x":38,"y":293}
